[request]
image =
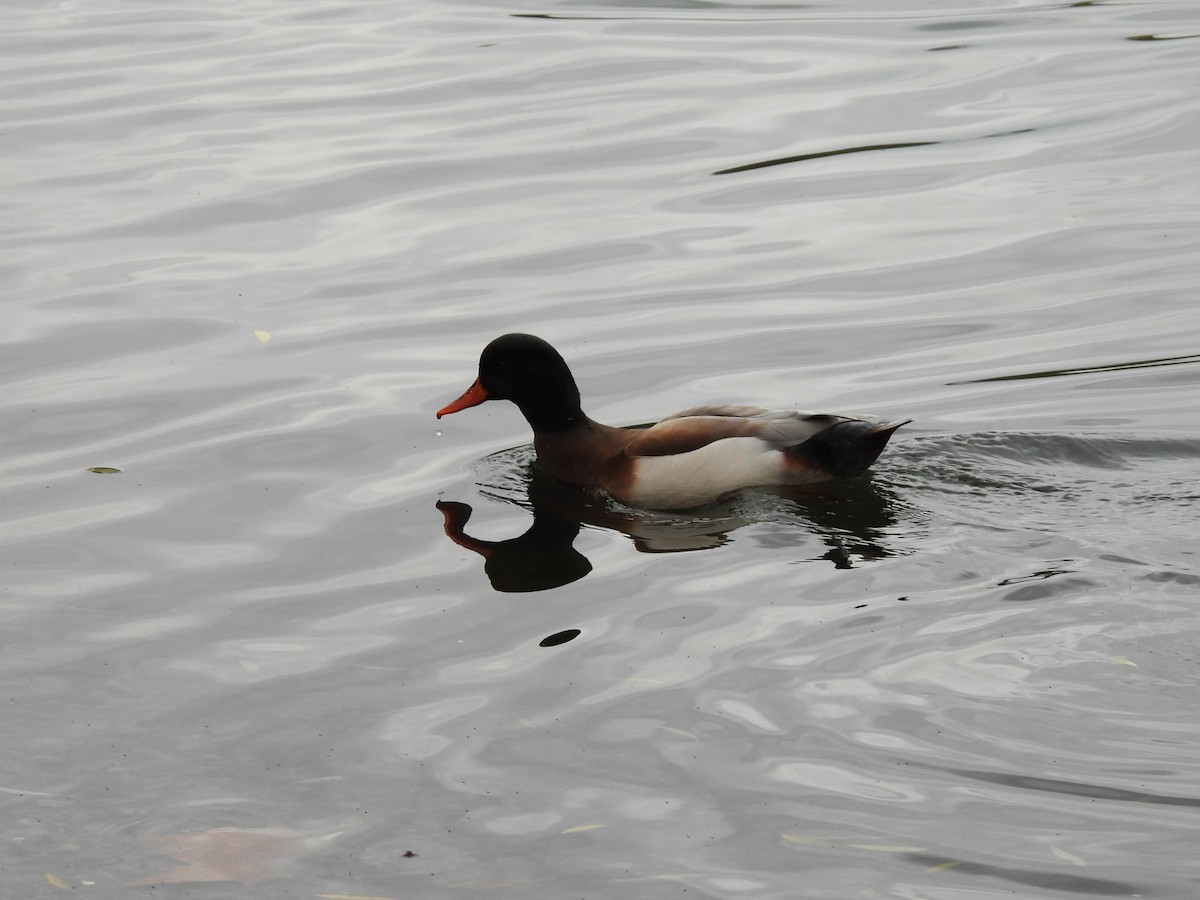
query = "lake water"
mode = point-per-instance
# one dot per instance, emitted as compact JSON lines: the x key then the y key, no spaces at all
{"x":250,"y":248}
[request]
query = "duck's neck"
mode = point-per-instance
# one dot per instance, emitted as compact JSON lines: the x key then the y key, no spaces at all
{"x":552,"y":406}
{"x":554,"y":418}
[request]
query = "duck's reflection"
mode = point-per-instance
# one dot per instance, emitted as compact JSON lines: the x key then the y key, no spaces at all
{"x":543,"y":557}
{"x":852,"y":519}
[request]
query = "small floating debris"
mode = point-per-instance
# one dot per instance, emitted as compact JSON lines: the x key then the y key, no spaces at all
{"x":575,"y":829}
{"x":58,"y":882}
{"x":560,"y":638}
{"x":104,"y":470}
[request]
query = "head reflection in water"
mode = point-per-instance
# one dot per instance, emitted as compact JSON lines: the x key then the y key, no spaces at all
{"x":542,"y":558}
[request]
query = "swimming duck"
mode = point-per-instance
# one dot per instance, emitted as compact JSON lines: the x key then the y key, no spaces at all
{"x":688,"y":459}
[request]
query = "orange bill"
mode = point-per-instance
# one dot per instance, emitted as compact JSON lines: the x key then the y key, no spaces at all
{"x":473,"y":397}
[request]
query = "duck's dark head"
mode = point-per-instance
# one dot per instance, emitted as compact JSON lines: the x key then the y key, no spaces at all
{"x":529,"y":372}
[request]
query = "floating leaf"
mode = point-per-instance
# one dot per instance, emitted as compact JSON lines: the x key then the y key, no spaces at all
{"x":58,"y":882}
{"x":1123,"y":661}
{"x":263,"y":336}
{"x":805,"y":839}
{"x":678,"y":731}
{"x":575,"y":829}
{"x":848,"y":844}
{"x":24,"y":793}
{"x":1067,"y":857}
{"x":942,"y":867}
{"x":104,"y":470}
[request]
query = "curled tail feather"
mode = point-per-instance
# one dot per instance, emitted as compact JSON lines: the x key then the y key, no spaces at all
{"x":843,"y":450}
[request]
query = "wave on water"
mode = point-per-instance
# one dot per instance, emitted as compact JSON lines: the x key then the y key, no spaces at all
{"x":1101,"y":488}
{"x":1011,"y":461}
{"x":1046,"y":462}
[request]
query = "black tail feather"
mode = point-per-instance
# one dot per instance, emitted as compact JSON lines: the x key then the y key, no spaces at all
{"x":847,"y":448}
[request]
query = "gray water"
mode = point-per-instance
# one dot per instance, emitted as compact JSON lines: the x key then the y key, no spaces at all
{"x":250,"y":248}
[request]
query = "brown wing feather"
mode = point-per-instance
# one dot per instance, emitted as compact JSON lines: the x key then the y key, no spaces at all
{"x":682,"y":435}
{"x":701,"y":425}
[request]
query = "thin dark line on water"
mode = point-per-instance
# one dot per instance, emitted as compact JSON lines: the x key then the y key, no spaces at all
{"x":1054,"y":880}
{"x":553,"y":16}
{"x":577,"y":17}
{"x":1041,"y":575}
{"x":783,"y":12}
{"x":1085,"y":370}
{"x":1161,"y":37}
{"x":1000,"y":134}
{"x":1069,"y":788}
{"x":869,"y":148}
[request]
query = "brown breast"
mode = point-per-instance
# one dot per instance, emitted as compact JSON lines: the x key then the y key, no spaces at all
{"x":591,"y":455}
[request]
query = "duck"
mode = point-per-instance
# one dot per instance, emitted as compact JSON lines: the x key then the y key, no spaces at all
{"x":686,"y":460}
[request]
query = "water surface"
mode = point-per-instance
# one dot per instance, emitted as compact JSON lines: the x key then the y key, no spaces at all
{"x":251,"y":248}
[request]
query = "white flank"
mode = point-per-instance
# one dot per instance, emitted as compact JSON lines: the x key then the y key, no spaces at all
{"x":683,"y":480}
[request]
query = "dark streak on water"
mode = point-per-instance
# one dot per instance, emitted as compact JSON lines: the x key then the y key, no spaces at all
{"x":821,"y":155}
{"x":1188,"y":359}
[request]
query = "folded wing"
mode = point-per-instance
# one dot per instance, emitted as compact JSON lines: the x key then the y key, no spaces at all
{"x":699,"y":426}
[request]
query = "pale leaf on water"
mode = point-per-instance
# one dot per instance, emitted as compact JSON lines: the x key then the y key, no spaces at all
{"x":263,"y":336}
{"x":1066,"y":856}
{"x":58,"y":882}
{"x":575,"y":829}
{"x":942,"y":867}
{"x":678,"y":731}
{"x":805,"y":839}
{"x":22,"y":793}
{"x":845,"y":842}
